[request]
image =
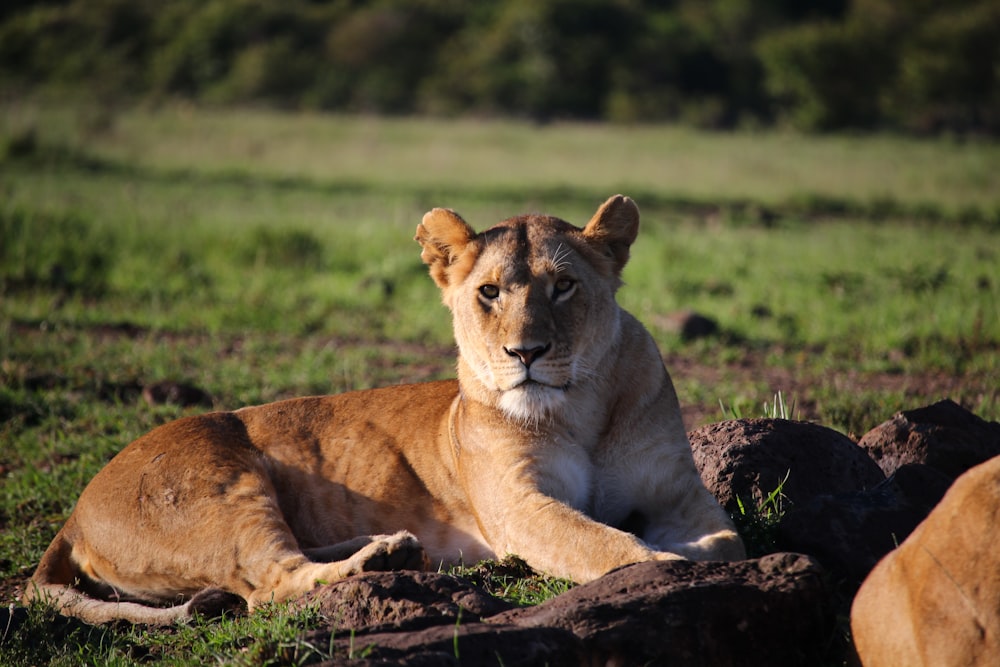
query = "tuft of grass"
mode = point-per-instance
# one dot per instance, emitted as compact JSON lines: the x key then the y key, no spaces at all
{"x":513,"y":580}
{"x":776,"y":409}
{"x":757,"y":523}
{"x":734,"y":411}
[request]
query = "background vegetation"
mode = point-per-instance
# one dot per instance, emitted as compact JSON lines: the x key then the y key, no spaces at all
{"x":917,"y":65}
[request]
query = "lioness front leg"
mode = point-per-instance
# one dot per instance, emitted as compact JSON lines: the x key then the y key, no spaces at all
{"x":557,"y":539}
{"x":696,"y":529}
{"x":681,"y":516}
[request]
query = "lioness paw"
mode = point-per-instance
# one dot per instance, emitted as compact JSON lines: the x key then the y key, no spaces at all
{"x":400,"y":551}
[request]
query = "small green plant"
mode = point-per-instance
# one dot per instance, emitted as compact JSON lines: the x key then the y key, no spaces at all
{"x":758,"y":524}
{"x":513,"y":580}
{"x":778,"y":409}
{"x":734,"y":411}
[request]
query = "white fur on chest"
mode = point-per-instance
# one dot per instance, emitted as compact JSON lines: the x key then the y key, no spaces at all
{"x":566,"y":473}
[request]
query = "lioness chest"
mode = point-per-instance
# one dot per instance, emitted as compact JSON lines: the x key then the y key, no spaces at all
{"x":580,"y":471}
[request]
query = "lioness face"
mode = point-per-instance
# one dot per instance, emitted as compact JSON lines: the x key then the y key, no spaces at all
{"x":521,"y":314}
{"x":526,"y":297}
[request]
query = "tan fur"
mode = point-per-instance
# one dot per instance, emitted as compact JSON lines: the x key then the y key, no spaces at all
{"x":935,"y":600}
{"x":563,"y":424}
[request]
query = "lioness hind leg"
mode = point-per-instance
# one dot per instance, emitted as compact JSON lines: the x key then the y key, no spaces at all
{"x":399,"y":551}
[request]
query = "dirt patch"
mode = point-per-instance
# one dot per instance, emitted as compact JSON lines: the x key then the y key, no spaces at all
{"x":810,"y":389}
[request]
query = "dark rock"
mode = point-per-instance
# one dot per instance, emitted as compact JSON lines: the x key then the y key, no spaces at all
{"x":770,"y":611}
{"x":689,"y":325}
{"x":944,"y":436}
{"x":749,"y":458}
{"x":402,"y":600}
{"x":850,"y":533}
{"x":775,"y":610}
{"x":459,"y":644}
{"x":175,"y":393}
{"x":427,"y":618}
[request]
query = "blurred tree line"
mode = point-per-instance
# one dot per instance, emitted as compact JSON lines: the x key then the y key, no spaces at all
{"x":916,"y":65}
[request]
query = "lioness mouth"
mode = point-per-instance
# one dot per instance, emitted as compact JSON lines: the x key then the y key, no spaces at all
{"x":532,"y":382}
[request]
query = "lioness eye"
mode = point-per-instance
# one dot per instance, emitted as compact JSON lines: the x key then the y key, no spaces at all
{"x":490,"y":291}
{"x":562,"y":286}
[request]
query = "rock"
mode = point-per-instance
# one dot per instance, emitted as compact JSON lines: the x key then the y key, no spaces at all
{"x":459,"y":644}
{"x":770,"y":611}
{"x":774,"y":610}
{"x":749,"y":458}
{"x":424,"y":618}
{"x":175,"y":393}
{"x":933,"y":601}
{"x":944,"y":436}
{"x":402,"y":600}
{"x":688,"y":324}
{"x":849,"y":533}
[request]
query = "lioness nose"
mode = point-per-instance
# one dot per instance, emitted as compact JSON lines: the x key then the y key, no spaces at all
{"x":528,"y":355}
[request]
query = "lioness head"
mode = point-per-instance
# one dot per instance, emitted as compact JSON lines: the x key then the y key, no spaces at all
{"x":532,"y":301}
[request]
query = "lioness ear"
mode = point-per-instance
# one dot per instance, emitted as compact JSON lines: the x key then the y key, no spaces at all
{"x":614,"y":228}
{"x":443,"y":235}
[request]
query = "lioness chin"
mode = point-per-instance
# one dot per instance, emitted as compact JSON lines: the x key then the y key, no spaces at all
{"x":561,"y":430}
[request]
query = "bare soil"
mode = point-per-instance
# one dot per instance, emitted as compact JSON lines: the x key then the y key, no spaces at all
{"x":801,"y":386}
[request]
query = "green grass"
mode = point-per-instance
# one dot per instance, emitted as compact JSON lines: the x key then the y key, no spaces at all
{"x":757,"y":519}
{"x":260,"y":256}
{"x":512,"y":580}
{"x":273,"y":635}
{"x":503,"y":156}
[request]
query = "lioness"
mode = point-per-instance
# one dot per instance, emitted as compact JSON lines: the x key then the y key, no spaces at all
{"x":935,"y":599}
{"x":561,"y":441}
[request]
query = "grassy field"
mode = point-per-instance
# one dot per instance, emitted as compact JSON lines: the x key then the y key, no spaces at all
{"x":258,"y":256}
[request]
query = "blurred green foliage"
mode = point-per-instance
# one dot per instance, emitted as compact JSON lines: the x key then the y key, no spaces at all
{"x":821,"y":65}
